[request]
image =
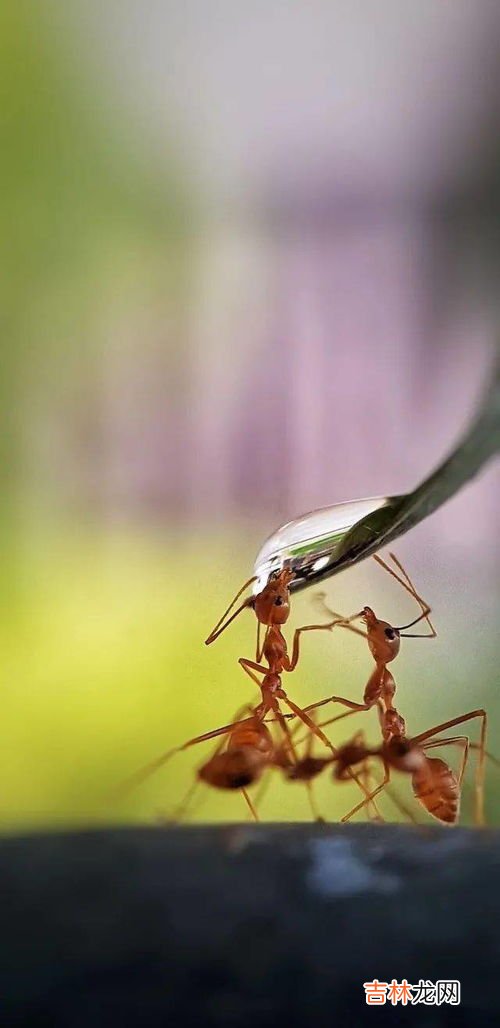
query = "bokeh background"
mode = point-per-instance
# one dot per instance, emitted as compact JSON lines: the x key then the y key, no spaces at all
{"x":249,"y":267}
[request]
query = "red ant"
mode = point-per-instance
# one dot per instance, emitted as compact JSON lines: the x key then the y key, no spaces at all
{"x":384,"y":641}
{"x":435,"y":784}
{"x":272,"y":609}
{"x":306,"y":768}
{"x":248,"y":750}
{"x":276,"y":594}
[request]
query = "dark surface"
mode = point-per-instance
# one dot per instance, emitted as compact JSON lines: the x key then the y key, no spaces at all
{"x":243,"y":925}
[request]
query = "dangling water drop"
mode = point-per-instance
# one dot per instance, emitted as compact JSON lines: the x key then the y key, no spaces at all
{"x":314,"y":545}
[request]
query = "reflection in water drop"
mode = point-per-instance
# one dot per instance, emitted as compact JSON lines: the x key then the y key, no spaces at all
{"x":312,"y":545}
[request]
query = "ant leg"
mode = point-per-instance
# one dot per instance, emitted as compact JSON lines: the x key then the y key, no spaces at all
{"x":317,"y":816}
{"x":479,"y":771}
{"x":425,"y":606}
{"x":353,"y":706}
{"x":261,"y":791}
{"x":403,"y":809}
{"x":260,"y":650}
{"x":179,"y":811}
{"x":251,"y":807}
{"x":302,"y":714}
{"x":489,"y":756}
{"x":369,"y":798}
{"x":321,"y":605}
{"x":291,"y":663}
{"x":220,"y":627}
{"x":364,"y":775}
{"x":372,"y":809}
{"x":368,"y":778}
{"x":247,"y":666}
{"x":290,"y":745}
{"x":454,"y":740}
{"x":143,"y":773}
{"x":339,"y":717}
{"x":310,"y":785}
{"x":333,"y":720}
{"x":313,"y":727}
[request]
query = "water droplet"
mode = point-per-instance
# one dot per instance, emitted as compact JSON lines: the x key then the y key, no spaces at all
{"x":311,"y":545}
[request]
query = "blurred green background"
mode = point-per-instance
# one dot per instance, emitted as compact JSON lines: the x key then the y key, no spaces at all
{"x":219,"y":308}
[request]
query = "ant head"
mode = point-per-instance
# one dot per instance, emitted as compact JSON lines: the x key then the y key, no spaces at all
{"x":272,"y":604}
{"x":404,"y":755}
{"x":383,"y":639}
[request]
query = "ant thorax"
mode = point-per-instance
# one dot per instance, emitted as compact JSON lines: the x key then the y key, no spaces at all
{"x":275,"y":647}
{"x":393,"y":725}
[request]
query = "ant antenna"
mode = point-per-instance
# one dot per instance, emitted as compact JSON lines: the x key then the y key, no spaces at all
{"x":407,"y":584}
{"x":402,"y":628}
{"x":220,"y":627}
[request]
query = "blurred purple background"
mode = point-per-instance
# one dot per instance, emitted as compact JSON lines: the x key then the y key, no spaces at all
{"x":339,"y":301}
{"x":251,"y":256}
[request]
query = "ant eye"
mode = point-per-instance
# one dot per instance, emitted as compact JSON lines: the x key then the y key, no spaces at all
{"x":390,"y":633}
{"x":278,"y":601}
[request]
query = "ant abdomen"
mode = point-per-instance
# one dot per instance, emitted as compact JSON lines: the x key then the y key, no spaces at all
{"x":253,"y":734}
{"x":234,"y":769}
{"x":436,"y":787}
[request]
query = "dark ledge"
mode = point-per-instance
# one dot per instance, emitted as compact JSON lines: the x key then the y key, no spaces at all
{"x":246,"y":926}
